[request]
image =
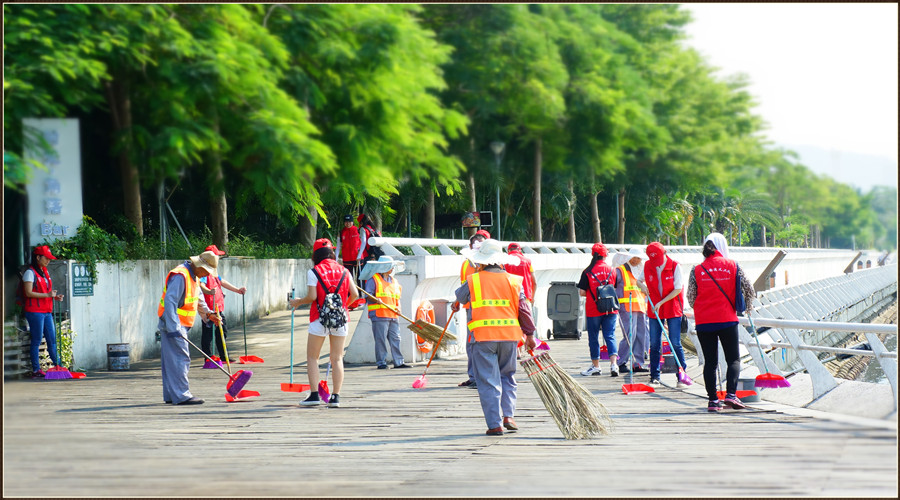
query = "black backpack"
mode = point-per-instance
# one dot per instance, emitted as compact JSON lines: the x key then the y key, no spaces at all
{"x":331,"y":312}
{"x":605,"y":297}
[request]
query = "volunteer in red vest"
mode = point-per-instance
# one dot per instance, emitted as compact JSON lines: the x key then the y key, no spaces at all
{"x":632,"y":292}
{"x":385,"y":322}
{"x":366,"y":231}
{"x":523,"y":269}
{"x":712,"y":289}
{"x":500,"y":314}
{"x":596,"y":273}
{"x":465,"y":271}
{"x":326,"y":266}
{"x":39,"y":296}
{"x":212,"y":286}
{"x":348,"y":247}
{"x":178,"y":307}
{"x":665,"y":285}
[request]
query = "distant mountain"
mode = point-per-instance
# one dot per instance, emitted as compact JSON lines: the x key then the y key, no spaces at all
{"x":859,"y":170}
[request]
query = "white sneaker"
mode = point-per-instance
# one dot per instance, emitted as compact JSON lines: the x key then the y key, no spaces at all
{"x":592,"y":370}
{"x":680,"y":385}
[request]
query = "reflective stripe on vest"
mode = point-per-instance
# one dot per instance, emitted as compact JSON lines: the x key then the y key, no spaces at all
{"x":389,"y":293}
{"x":495,"y":306}
{"x":465,"y":271}
{"x":188,"y":311}
{"x":633,"y":298}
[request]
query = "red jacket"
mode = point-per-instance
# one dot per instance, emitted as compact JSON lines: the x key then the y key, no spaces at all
{"x":41,"y":285}
{"x":331,"y":273}
{"x":603,"y":272}
{"x":673,"y":308}
{"x":711,"y":306}
{"x":216,"y":301}
{"x":523,"y":269}
{"x":349,"y":243}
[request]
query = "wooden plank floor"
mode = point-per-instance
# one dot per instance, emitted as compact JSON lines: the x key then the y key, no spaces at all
{"x":111,"y":435}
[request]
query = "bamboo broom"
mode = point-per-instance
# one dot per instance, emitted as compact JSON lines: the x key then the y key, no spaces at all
{"x":577,"y":412}
{"x":424,"y":329}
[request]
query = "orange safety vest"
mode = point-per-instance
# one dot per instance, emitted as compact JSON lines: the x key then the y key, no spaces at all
{"x":188,"y":311}
{"x":495,"y":306}
{"x":389,"y":293}
{"x":465,"y":271}
{"x":633,"y":299}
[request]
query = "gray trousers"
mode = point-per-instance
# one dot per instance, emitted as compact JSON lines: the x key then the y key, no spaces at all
{"x":495,"y":369}
{"x":470,"y":365}
{"x":387,"y":331}
{"x":176,"y":361}
{"x":641,"y":337}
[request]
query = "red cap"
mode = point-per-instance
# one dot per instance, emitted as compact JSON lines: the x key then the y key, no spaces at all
{"x":513,"y":247}
{"x":655,"y":252}
{"x":600,"y":249}
{"x":322,"y":243}
{"x":214,"y":249}
{"x":360,"y":217}
{"x":482,"y":232}
{"x":44,"y":250}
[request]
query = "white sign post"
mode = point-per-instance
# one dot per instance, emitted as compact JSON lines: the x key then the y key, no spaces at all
{"x":54,"y":195}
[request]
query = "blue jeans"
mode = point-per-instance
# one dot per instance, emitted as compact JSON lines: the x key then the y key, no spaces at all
{"x":608,"y":323}
{"x":674,"y":327}
{"x":41,"y":325}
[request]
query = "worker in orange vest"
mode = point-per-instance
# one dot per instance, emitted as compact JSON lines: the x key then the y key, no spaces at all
{"x":632,"y":293}
{"x":464,"y":272}
{"x":500,"y":314}
{"x":385,"y":322}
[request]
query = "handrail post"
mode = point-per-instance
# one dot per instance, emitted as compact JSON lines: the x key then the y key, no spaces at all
{"x":888,"y":366}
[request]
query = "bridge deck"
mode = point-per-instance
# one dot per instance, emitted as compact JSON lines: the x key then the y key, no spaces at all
{"x":111,"y":435}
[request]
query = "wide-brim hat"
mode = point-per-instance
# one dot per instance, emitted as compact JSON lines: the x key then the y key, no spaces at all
{"x":384,"y":264}
{"x":636,"y":252}
{"x":490,"y":252}
{"x":208,"y":261}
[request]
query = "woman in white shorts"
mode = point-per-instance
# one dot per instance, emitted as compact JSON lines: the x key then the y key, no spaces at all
{"x":326,"y":267}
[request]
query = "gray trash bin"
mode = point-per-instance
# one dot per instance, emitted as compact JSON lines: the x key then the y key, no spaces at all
{"x":565,"y":308}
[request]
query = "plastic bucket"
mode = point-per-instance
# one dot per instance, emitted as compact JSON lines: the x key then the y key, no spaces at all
{"x":748,"y":385}
{"x":117,"y":357}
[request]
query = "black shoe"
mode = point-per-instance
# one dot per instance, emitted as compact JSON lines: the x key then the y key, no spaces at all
{"x":193,"y":401}
{"x":382,"y":367}
{"x":640,"y":369}
{"x":334,"y":401}
{"x":467,"y":383}
{"x":312,"y":399}
{"x":655,"y":381}
{"x":623,"y":369}
{"x":404,"y":365}
{"x":168,"y":402}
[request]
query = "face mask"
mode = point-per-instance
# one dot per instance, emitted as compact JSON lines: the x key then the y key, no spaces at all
{"x":476,"y":245}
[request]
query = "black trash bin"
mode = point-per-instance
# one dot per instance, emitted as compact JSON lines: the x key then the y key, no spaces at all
{"x":565,"y":308}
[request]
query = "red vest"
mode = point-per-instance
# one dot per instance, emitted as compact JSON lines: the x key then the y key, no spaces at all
{"x":673,"y":308}
{"x":41,"y":285}
{"x":331,"y":273}
{"x":524,"y":270}
{"x":349,"y":243}
{"x":370,"y":231}
{"x":711,"y":306}
{"x":603,"y":272}
{"x":216,"y":301}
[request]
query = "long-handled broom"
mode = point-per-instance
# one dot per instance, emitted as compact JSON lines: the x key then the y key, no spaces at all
{"x":768,"y":379}
{"x":236,"y":382}
{"x":291,"y":386}
{"x":57,"y":372}
{"x":421,"y":382}
{"x":324,"y":392}
{"x":246,"y":359}
{"x":682,"y":374}
{"x":421,"y":327}
{"x":577,"y":412}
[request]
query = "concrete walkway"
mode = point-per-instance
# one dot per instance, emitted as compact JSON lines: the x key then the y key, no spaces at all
{"x":111,"y":435}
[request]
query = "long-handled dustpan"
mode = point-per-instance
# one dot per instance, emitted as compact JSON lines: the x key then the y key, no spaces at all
{"x":291,"y":386}
{"x":324,"y":393}
{"x":236,"y":382}
{"x":421,"y":382}
{"x":768,"y":379}
{"x":246,"y":359}
{"x":630,"y":387}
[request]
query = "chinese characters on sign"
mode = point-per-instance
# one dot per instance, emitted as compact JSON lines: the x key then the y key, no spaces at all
{"x":82,"y":283}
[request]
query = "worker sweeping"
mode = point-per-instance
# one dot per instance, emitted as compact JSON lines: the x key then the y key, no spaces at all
{"x":465,"y":271}
{"x":500,"y":315}
{"x":212,"y":286}
{"x":178,"y":308}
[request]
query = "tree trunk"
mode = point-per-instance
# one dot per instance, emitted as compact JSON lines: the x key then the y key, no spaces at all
{"x":218,"y":202}
{"x":595,"y":212}
{"x":536,"y":196}
{"x":764,"y":236}
{"x":621,"y":236}
{"x":308,"y":228}
{"x":428,"y":218}
{"x":571,"y":224}
{"x":120,"y":107}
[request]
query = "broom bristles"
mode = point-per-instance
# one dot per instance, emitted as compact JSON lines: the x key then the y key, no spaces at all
{"x":771,"y":381}
{"x":577,"y":412}
{"x":432,"y":333}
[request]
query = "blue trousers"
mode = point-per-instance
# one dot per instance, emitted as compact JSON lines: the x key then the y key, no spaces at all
{"x":41,"y":326}
{"x":495,"y":369}
{"x":176,"y":361}
{"x":594,"y":324}
{"x":387,"y":332}
{"x":641,"y":337}
{"x":674,"y":327}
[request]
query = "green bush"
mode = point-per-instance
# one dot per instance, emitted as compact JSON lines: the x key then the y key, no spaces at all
{"x":91,"y":244}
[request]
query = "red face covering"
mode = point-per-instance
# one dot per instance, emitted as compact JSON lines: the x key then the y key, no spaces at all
{"x":656,"y":254}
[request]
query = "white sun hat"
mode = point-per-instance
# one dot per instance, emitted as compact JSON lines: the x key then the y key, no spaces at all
{"x":490,"y":252}
{"x":384,"y":264}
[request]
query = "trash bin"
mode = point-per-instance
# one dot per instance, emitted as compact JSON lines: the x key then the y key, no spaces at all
{"x":565,"y":308}
{"x":117,"y":357}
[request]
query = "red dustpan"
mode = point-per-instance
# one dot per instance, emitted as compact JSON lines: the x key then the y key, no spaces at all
{"x":740,"y":394}
{"x":244,"y":360}
{"x":242,"y":395}
{"x":289,"y":387}
{"x":637,"y":389}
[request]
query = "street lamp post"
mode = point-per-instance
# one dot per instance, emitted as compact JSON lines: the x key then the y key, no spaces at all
{"x":498,"y":147}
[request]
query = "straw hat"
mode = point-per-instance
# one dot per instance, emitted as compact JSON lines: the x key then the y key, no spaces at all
{"x":208,"y":261}
{"x":490,"y":252}
{"x":384,"y":264}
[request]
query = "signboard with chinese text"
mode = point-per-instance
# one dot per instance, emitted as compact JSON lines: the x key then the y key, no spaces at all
{"x":82,"y":283}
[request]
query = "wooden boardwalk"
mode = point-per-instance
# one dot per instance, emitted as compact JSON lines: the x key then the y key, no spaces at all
{"x":111,"y":435}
